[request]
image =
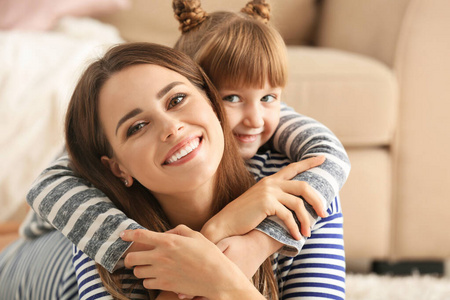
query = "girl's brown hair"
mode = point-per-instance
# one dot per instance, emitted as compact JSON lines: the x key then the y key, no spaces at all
{"x":87,"y":143}
{"x":234,"y":49}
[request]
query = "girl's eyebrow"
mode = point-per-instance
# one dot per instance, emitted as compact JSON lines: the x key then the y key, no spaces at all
{"x":129,"y":115}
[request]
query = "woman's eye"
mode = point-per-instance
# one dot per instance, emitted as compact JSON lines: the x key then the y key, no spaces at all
{"x":176,"y":100}
{"x":135,"y":128}
{"x":231,"y":98}
{"x":268,"y":98}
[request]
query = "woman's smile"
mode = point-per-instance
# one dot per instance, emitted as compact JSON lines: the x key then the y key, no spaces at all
{"x":183,"y":151}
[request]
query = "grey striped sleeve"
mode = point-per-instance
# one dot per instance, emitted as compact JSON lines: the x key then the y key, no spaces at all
{"x":300,"y":137}
{"x":81,"y":212}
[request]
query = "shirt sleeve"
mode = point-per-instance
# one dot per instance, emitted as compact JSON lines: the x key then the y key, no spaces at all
{"x":80,"y":212}
{"x":300,"y":137}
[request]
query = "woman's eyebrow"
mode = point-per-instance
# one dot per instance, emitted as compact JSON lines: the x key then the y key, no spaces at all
{"x":137,"y":111}
{"x":167,"y":88}
{"x":129,"y":115}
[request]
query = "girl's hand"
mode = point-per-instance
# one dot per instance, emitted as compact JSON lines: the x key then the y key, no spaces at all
{"x":186,"y":262}
{"x":273,"y":195}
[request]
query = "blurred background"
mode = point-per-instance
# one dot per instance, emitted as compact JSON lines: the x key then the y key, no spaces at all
{"x":376,"y":72}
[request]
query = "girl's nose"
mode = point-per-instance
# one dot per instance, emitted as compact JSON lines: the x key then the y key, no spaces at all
{"x":253,"y":115}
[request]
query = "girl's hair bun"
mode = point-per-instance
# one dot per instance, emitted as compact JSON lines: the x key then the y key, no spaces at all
{"x":189,"y":13}
{"x":258,"y":9}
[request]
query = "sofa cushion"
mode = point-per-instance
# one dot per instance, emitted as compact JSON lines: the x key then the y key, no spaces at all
{"x":355,"y":96}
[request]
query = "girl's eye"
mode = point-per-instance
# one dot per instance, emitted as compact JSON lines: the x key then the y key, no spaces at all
{"x":176,"y":100}
{"x":135,"y":128}
{"x":231,"y":98}
{"x":268,"y":98}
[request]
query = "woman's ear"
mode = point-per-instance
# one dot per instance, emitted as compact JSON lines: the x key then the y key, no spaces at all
{"x":115,"y":168}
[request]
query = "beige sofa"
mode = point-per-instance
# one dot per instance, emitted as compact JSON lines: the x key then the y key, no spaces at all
{"x":378,"y":74}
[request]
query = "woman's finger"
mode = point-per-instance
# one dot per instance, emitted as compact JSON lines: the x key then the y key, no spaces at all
{"x":144,"y":272}
{"x":183,"y":230}
{"x":138,"y":258}
{"x":293,"y":169}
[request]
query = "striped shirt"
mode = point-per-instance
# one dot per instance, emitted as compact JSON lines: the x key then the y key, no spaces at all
{"x":38,"y":269}
{"x":89,"y":219}
{"x":317,"y":272}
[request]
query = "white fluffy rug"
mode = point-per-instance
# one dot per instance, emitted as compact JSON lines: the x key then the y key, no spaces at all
{"x":373,"y":287}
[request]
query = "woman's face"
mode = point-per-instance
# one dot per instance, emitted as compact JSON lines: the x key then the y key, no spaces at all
{"x":162,"y":129}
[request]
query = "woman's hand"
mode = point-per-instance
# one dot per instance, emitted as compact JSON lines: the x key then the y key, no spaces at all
{"x":273,"y":195}
{"x":186,"y":262}
{"x":257,"y":247}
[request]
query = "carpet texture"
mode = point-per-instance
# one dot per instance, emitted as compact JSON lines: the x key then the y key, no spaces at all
{"x":374,"y":287}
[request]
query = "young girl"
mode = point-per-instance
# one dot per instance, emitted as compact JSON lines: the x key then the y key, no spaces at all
{"x":97,"y":233}
{"x":245,"y":58}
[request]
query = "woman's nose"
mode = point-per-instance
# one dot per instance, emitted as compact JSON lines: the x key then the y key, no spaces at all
{"x":170,"y":127}
{"x":253,"y":115}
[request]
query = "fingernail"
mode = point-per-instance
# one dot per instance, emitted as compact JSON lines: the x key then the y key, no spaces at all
{"x":325,"y":214}
{"x":122,"y":234}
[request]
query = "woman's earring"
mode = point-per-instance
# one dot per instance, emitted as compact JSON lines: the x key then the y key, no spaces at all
{"x":125,"y":182}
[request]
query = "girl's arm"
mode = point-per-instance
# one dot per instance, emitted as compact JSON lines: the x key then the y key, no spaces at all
{"x":81,"y":212}
{"x":86,"y":216}
{"x":300,"y":137}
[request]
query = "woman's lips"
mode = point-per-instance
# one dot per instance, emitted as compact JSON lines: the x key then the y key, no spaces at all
{"x":182,"y":149}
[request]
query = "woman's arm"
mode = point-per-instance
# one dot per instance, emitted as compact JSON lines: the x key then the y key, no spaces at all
{"x":188,"y":263}
{"x":81,"y":212}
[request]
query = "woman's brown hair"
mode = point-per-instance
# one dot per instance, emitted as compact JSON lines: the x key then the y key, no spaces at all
{"x":87,"y":143}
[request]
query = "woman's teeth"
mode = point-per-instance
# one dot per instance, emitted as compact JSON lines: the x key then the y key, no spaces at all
{"x":188,"y":148}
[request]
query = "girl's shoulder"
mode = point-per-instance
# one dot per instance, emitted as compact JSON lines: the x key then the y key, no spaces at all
{"x":266,"y":162}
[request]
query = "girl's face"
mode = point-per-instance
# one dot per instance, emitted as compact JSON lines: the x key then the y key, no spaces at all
{"x":162,"y":129}
{"x":253,"y":114}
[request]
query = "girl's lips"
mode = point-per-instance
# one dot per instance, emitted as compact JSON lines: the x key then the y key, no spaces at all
{"x":246,"y":138}
{"x":182,"y":150}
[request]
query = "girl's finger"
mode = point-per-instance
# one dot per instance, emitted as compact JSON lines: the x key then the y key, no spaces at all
{"x":286,"y":216}
{"x":293,"y":169}
{"x":302,"y":188}
{"x":295,"y":204}
{"x":142,"y":236}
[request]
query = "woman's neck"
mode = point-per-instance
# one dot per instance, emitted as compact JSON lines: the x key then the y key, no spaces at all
{"x":191,"y":208}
